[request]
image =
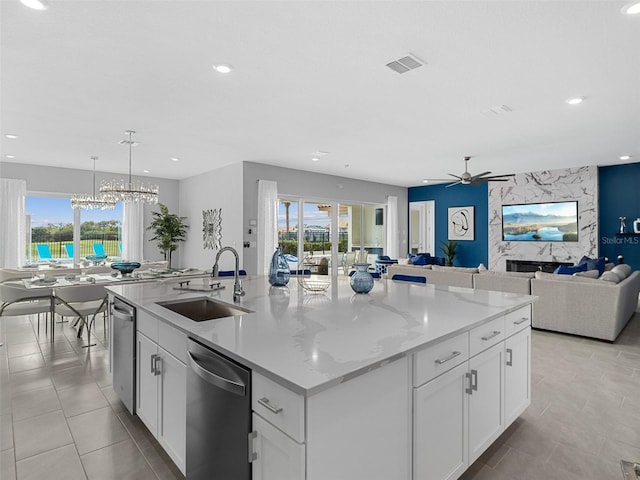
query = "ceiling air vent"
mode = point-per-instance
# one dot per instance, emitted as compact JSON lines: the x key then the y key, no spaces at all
{"x":404,"y":64}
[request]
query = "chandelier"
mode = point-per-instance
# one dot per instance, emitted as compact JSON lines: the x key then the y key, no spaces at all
{"x":130,"y":191}
{"x":90,"y":202}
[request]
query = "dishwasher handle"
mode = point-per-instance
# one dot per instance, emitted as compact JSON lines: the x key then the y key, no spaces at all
{"x":229,"y":385}
{"x":122,"y":314}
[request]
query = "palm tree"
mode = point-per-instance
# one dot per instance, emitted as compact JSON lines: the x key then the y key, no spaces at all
{"x":168,"y":230}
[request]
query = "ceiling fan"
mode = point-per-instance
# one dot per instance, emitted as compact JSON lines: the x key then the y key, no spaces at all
{"x":467,"y":179}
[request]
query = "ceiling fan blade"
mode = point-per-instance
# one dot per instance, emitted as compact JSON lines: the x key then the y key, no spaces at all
{"x":438,"y":179}
{"x":455,"y":176}
{"x":452,"y":184}
{"x":480,"y":175}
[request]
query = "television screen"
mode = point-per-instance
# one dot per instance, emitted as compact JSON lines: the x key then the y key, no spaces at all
{"x":540,"y":222}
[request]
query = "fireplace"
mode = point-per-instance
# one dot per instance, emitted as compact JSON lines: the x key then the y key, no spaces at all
{"x":533,"y":266}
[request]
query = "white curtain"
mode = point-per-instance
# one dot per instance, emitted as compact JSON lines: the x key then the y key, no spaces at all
{"x":267,"y":223}
{"x":13,"y":230}
{"x":392,"y":226}
{"x":132,"y":231}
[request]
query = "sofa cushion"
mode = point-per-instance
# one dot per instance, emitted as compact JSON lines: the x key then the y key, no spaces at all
{"x":610,"y":276}
{"x":588,"y":274}
{"x":622,"y":270}
{"x":507,"y":274}
{"x":418,"y":260}
{"x":566,"y":278}
{"x":439,"y":268}
{"x":570,"y":269}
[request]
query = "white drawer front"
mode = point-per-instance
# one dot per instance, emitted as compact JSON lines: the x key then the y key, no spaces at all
{"x":485,"y":336}
{"x":173,"y":341}
{"x":518,"y":320}
{"x":435,"y":360}
{"x":278,"y":405}
{"x":147,"y":324}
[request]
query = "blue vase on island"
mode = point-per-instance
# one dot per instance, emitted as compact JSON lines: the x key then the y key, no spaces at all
{"x":361,"y":281}
{"x":279,"y":272}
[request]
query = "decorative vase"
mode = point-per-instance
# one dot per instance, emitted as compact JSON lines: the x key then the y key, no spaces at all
{"x":361,"y":281}
{"x":279,"y":272}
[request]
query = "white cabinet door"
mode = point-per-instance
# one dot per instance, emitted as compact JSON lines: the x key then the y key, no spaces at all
{"x":440,"y":427}
{"x":517,"y":373}
{"x":486,"y":412}
{"x":277,"y":456}
{"x":172,"y":412}
{"x":147,"y":383}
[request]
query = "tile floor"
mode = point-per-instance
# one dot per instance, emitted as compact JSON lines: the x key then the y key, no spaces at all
{"x":59,"y":415}
{"x":60,"y":418}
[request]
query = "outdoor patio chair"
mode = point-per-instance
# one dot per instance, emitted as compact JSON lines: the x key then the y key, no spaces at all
{"x":98,"y":249}
{"x":69,"y":248}
{"x":44,"y":253}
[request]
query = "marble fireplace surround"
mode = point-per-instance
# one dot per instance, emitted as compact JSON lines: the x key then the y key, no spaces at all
{"x":579,"y":184}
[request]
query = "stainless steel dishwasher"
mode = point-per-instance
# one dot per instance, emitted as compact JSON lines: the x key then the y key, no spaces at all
{"x":123,"y":321}
{"x":218,"y":416}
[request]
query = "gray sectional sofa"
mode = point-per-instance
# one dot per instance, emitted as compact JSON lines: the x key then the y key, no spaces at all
{"x":591,"y":307}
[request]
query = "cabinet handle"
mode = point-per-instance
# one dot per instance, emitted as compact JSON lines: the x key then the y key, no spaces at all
{"x":264,"y":401}
{"x":453,"y":355}
{"x":469,"y":389}
{"x":156,"y":364}
{"x":474,"y":380}
{"x":252,"y":455}
{"x":521,"y":321}
{"x":495,"y":333}
{"x":153,"y":363}
{"x":510,"y":361}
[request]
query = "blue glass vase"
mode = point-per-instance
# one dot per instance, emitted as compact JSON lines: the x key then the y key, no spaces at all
{"x":361,"y":281}
{"x":279,"y":272}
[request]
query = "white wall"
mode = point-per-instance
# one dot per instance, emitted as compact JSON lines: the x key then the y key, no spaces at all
{"x":66,"y":181}
{"x":579,"y":184}
{"x":316,"y":186}
{"x":221,"y":188}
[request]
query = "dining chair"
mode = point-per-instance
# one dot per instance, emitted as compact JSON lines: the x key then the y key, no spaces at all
{"x":409,"y":278}
{"x":44,"y":253}
{"x":82,"y":301}
{"x":98,"y":249}
{"x":17,"y":300}
{"x":9,"y":274}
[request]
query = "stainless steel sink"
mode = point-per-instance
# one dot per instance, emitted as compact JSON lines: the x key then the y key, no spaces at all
{"x":203,"y":308}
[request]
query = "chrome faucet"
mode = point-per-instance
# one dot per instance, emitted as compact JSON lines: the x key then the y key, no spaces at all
{"x":237,"y":285}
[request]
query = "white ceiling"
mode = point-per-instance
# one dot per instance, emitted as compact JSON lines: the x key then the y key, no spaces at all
{"x":311,"y":76}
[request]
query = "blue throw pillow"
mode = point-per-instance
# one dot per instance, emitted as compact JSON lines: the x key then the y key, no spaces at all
{"x":419,"y":260}
{"x":593,"y":263}
{"x":570,"y":269}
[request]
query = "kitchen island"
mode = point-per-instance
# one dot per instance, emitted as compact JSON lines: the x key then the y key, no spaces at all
{"x":408,"y":381}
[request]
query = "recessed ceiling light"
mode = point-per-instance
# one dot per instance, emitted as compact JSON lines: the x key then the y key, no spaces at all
{"x":175,"y":159}
{"x":574,"y":100}
{"x":625,"y":157}
{"x":315,"y":159}
{"x":222,"y":68}
{"x":425,"y":181}
{"x":145,"y":171}
{"x":12,"y":136}
{"x":35,"y":4}
{"x":10,"y":156}
{"x":631,"y":8}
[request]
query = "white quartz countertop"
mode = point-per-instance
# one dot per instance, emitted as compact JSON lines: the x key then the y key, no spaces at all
{"x":310,"y":342}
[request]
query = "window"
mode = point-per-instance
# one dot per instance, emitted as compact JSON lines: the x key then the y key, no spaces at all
{"x":360,"y":233}
{"x":51,"y":223}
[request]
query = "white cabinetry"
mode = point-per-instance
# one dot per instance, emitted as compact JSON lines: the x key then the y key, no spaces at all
{"x":161,"y":391}
{"x":465,"y":398}
{"x":277,"y":456}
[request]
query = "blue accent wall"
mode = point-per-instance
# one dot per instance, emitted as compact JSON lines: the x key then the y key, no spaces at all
{"x":619,"y":196}
{"x":470,"y":253}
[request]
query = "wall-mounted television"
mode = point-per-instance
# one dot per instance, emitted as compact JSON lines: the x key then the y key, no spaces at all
{"x":540,"y":222}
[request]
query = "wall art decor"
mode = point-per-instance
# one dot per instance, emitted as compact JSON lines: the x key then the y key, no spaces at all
{"x":460,"y":225}
{"x":212,"y":228}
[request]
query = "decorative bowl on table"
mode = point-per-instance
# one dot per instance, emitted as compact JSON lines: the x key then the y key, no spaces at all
{"x":125,"y":268}
{"x":96,"y":258}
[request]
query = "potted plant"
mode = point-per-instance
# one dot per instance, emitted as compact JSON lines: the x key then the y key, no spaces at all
{"x":168,"y":229}
{"x":449,"y":250}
